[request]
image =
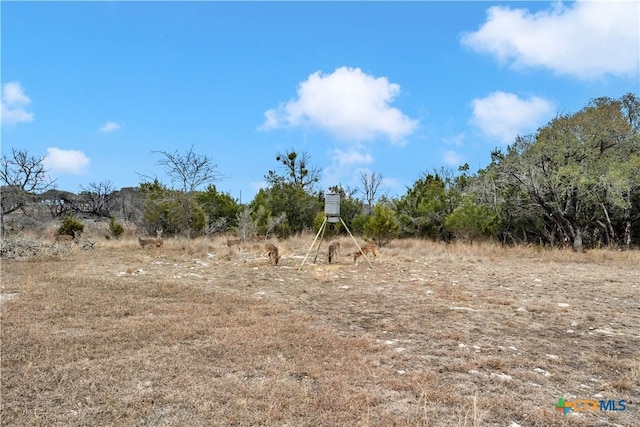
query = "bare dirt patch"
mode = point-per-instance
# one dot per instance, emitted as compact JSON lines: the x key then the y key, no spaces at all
{"x":197,"y":334}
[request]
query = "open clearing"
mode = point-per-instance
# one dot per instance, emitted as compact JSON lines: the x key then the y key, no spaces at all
{"x":435,"y":335}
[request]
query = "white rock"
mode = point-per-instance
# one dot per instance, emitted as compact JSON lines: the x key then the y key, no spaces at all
{"x":606,"y":332}
{"x":563,"y":304}
{"x":502,"y":377}
{"x":463,"y":309}
{"x":542,"y":371}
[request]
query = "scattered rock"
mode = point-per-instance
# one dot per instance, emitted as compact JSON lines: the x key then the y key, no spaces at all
{"x":501,"y":376}
{"x":463,"y":309}
{"x":542,"y":371}
{"x":606,"y":332}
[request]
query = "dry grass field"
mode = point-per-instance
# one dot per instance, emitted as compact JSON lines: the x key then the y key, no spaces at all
{"x":197,"y":333}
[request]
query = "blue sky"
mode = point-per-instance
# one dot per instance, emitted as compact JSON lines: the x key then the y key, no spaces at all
{"x":397,"y":88}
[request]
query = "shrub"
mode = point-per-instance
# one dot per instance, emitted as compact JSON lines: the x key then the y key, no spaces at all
{"x":383,"y":225}
{"x":359,"y":223}
{"x":115,"y":228}
{"x":470,"y":221}
{"x":71,"y":226}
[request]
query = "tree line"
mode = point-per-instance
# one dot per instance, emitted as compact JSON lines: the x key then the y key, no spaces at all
{"x":575,"y":183}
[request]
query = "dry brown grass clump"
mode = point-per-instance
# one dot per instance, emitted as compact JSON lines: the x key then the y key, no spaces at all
{"x":198,"y":333}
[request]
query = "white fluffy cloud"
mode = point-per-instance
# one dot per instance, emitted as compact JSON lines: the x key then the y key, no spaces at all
{"x":587,"y":39}
{"x":504,"y":116}
{"x":348,"y":103}
{"x":456,"y":140}
{"x":110,"y":126}
{"x":14,"y":103}
{"x":451,"y":158}
{"x":66,"y":161}
{"x":344,"y":167}
{"x":350,"y":157}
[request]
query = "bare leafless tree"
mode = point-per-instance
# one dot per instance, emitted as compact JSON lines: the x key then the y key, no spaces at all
{"x":370,"y":184}
{"x":246,"y":225}
{"x":22,"y":176}
{"x":189,"y":170}
{"x":99,"y":197}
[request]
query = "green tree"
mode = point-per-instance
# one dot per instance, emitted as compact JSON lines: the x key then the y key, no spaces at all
{"x":383,"y":224}
{"x":471,"y":220}
{"x":423,"y":208}
{"x":220,"y":209}
{"x":290,"y":194}
{"x":578,"y":174}
{"x":297,"y":171}
{"x":158,"y":207}
{"x":298,"y":206}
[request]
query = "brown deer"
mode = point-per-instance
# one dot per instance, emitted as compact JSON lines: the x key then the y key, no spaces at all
{"x":272,"y":253}
{"x":157,"y":242}
{"x":334,"y":252}
{"x":369,"y":248}
{"x":66,"y":238}
{"x":234,"y":243}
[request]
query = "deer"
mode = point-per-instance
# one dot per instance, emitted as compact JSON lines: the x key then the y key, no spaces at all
{"x":66,"y":238}
{"x":369,"y":248}
{"x":272,"y":252}
{"x":150,"y":241}
{"x":334,"y":252}
{"x":234,"y":242}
